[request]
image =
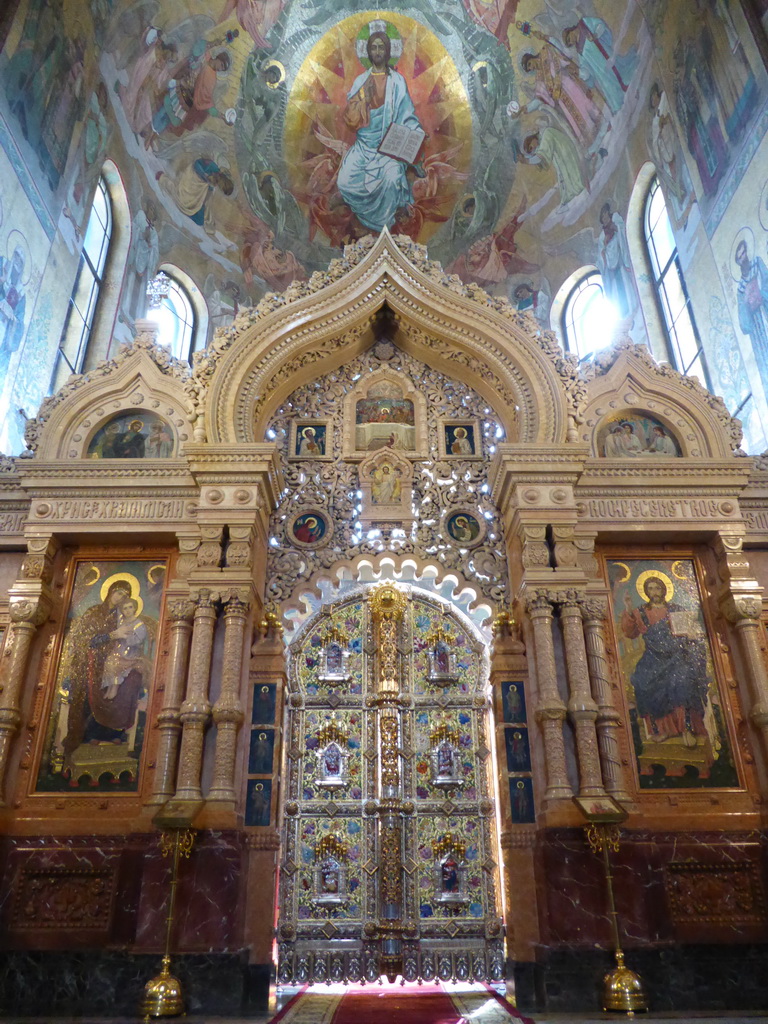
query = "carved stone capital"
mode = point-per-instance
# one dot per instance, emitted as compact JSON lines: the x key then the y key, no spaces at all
{"x":569,"y":601}
{"x":205,"y":600}
{"x":236,"y":603}
{"x":538,"y":603}
{"x":181,"y":609}
{"x":737,"y":607}
{"x":31,"y":609}
{"x":594,"y":609}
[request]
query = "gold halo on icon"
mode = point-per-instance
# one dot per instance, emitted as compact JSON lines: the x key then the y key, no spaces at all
{"x":160,"y":566}
{"x":626,"y":569}
{"x":643,"y":578}
{"x":96,"y":578}
{"x":267,"y":65}
{"x":685,"y":574}
{"x":129,"y":578}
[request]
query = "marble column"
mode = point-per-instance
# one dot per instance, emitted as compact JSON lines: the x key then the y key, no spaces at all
{"x":196,"y":709}
{"x":582,"y":710}
{"x":744,"y":614}
{"x":180,"y":614}
{"x":608,"y":719}
{"x":26,"y":615}
{"x":228,"y":709}
{"x":550,"y":709}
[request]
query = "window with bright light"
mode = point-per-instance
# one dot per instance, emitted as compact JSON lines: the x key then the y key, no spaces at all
{"x":175,"y":318}
{"x":85,"y":293}
{"x":589,"y":318}
{"x":671,"y":293}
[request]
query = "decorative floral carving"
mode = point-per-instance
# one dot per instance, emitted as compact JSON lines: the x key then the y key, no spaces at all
{"x":715,"y":893}
{"x":65,"y":899}
{"x":438,"y":484}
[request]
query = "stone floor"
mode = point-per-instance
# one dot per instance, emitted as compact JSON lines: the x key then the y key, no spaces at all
{"x":549,"y":1018}
{"x":280,"y":998}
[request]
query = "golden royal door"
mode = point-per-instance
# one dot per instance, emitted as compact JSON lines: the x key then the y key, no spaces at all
{"x":389,"y":858}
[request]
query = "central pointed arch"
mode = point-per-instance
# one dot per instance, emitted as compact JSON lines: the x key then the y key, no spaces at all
{"x":452,"y":327}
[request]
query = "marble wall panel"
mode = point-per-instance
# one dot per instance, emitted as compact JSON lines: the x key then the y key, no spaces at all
{"x":76,"y":892}
{"x":703,"y":887}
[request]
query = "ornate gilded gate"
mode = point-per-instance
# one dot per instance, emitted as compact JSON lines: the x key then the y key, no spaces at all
{"x":389,"y":862}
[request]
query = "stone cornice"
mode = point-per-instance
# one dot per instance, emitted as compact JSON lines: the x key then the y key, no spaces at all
{"x":106,"y":474}
{"x":228,"y":462}
{"x":732,"y":473}
{"x":514,"y":465}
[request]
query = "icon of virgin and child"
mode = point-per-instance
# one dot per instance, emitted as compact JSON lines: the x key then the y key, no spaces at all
{"x":373,"y":183}
{"x":107,"y":667}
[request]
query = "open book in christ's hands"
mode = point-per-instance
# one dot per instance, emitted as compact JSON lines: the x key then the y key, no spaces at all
{"x":402,"y":143}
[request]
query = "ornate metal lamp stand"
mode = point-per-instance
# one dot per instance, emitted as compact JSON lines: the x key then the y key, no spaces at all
{"x":162,"y":994}
{"x":622,"y":989}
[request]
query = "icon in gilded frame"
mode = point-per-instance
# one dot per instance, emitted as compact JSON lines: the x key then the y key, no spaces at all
{"x":460,"y":439}
{"x":311,"y":439}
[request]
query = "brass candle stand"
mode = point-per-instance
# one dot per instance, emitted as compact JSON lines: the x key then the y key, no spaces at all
{"x":622,"y":988}
{"x":162,"y":994}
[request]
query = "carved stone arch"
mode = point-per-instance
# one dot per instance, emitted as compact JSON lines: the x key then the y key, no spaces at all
{"x":318,"y":325}
{"x":367,"y":565}
{"x":136,"y":383}
{"x":628,"y":380}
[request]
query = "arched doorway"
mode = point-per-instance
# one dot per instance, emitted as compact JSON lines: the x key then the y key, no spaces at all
{"x":389,"y":847}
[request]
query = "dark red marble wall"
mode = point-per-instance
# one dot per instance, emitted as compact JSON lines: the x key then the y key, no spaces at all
{"x":76,"y":892}
{"x":669,"y":887}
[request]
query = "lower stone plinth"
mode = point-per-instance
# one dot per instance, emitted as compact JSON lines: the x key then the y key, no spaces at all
{"x":680,"y":978}
{"x":110,"y":984}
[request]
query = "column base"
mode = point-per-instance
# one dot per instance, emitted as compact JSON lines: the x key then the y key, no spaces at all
{"x":217,"y":814}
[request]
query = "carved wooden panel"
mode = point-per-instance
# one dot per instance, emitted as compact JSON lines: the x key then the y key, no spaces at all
{"x":63,"y":899}
{"x":715,"y":893}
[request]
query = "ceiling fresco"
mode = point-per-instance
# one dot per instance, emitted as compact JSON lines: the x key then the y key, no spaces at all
{"x":253,"y":139}
{"x":260,"y":129}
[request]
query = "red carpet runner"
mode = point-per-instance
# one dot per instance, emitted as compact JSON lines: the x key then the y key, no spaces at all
{"x":404,"y":1006}
{"x":395,"y":1004}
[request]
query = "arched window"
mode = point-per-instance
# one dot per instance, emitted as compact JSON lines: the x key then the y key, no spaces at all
{"x":672,"y":295}
{"x":588,"y":316}
{"x":171,"y":309}
{"x":85,"y":293}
